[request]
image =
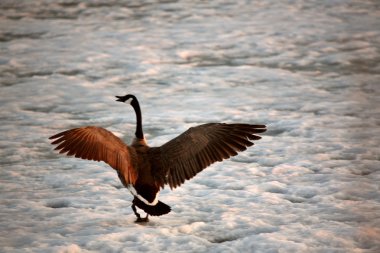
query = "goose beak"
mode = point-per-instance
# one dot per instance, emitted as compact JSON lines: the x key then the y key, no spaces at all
{"x":119,"y":98}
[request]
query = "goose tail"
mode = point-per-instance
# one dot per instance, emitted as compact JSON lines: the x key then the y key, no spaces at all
{"x":157,"y":210}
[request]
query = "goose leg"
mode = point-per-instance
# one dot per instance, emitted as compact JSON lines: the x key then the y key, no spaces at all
{"x":146,"y":219}
{"x":139,"y":219}
{"x":135,"y":211}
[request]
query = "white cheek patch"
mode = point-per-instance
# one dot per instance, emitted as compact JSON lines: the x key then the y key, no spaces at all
{"x":134,"y":193}
{"x":129,"y":100}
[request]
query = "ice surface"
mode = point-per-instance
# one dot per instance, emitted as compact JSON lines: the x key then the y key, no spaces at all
{"x":309,"y":70}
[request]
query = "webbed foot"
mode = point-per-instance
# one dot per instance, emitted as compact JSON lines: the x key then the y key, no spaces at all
{"x":140,"y":220}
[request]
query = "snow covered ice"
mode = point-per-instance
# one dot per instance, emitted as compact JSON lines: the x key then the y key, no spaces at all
{"x":309,"y":70}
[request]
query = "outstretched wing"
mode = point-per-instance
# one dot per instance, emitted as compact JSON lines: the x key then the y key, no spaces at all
{"x":98,"y":144}
{"x":192,"y":151}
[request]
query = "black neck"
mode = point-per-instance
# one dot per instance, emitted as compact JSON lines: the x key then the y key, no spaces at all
{"x":139,"y":132}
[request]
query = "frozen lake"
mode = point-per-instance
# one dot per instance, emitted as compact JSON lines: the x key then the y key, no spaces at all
{"x":309,"y":70}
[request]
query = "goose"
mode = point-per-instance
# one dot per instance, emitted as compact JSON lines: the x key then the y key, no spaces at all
{"x":144,"y":170}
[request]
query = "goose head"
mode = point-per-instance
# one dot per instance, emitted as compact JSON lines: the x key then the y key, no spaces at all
{"x":130,"y":99}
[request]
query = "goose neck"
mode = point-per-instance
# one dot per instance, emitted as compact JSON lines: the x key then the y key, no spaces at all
{"x":139,"y":132}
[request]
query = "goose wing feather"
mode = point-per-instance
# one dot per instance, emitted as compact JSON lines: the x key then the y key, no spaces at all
{"x":198,"y":147}
{"x":98,"y":144}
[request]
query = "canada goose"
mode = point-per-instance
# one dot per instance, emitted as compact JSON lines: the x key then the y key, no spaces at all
{"x":143,"y":169}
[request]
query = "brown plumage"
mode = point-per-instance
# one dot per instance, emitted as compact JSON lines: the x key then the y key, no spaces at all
{"x":143,"y":169}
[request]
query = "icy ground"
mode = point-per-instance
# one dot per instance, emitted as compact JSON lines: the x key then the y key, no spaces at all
{"x":307,"y":69}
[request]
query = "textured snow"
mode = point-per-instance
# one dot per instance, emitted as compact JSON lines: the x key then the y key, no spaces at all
{"x":309,"y":70}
